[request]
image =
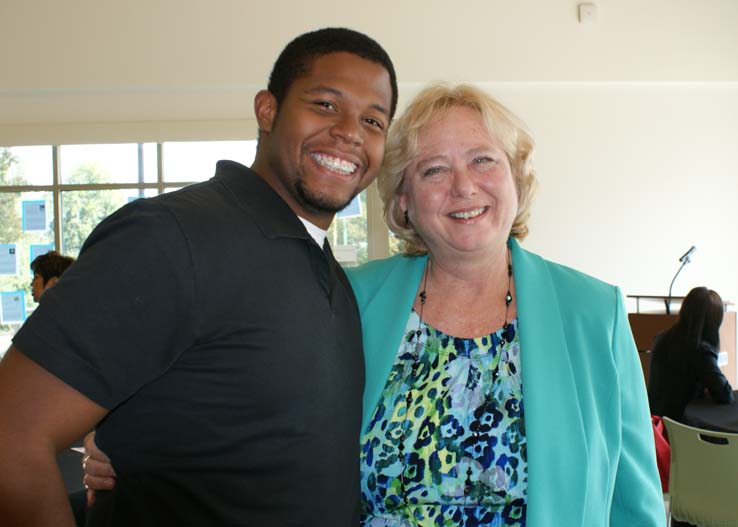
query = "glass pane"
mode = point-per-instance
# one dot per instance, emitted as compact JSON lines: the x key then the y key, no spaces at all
{"x":347,"y":234}
{"x":110,"y":163}
{"x":150,"y":163}
{"x":195,"y":161}
{"x":26,"y":230}
{"x":26,"y":165}
{"x":82,"y":210}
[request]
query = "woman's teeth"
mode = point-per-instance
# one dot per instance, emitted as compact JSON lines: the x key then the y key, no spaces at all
{"x":467,"y":214}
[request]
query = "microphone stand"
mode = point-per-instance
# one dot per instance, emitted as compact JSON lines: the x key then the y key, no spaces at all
{"x":667,"y":300}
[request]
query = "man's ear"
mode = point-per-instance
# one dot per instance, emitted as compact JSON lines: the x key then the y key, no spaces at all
{"x":50,"y":282}
{"x":265,"y":108}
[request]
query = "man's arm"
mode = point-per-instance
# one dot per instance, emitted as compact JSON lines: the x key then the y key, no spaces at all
{"x":40,"y":416}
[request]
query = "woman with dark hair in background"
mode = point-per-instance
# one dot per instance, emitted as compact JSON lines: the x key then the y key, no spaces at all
{"x":684,"y":357}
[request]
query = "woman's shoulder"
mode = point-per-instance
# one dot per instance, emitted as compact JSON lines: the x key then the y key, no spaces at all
{"x":367,"y":278}
{"x":377,"y":270}
{"x":708,"y":349}
{"x":569,"y":281}
{"x":374,"y":266}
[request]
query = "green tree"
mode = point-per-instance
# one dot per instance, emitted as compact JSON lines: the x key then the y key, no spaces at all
{"x":82,"y":210}
{"x":10,"y":226}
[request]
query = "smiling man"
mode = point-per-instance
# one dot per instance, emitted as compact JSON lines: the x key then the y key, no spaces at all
{"x":209,"y":333}
{"x":324,"y":141}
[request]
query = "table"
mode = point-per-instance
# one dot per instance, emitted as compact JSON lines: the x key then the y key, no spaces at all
{"x":706,"y":413}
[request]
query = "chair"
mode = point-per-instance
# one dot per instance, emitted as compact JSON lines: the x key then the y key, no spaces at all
{"x":703,"y":476}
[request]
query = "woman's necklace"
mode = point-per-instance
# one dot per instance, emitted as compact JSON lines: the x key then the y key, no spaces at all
{"x":423,"y":296}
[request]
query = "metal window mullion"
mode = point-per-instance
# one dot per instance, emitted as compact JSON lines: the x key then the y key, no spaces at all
{"x":160,"y":167}
{"x":377,"y":234}
{"x":56,"y":196}
{"x":180,"y":183}
{"x":92,"y":186}
{"x":89,"y":186}
{"x":108,"y":186}
{"x":141,"y":180}
{"x":26,"y":188}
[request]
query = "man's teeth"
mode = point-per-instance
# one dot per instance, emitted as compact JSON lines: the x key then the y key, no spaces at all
{"x":333,"y":163}
{"x":467,"y":214}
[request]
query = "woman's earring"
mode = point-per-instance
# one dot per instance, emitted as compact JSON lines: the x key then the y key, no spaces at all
{"x":407,"y":219}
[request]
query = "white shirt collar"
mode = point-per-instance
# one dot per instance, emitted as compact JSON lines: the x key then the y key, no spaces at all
{"x":316,"y":232}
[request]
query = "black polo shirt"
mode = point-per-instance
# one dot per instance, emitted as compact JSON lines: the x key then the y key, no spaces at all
{"x":227,"y":346}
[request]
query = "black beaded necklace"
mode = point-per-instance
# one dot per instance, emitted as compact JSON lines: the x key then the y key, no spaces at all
{"x":423,"y":296}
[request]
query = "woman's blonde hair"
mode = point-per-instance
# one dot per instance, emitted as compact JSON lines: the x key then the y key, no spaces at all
{"x":402,"y":144}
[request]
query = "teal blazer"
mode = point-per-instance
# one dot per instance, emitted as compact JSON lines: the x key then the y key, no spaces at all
{"x":591,"y":455}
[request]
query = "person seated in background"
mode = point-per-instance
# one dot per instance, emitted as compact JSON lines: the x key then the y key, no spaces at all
{"x":684,"y":359}
{"x":47,"y":268}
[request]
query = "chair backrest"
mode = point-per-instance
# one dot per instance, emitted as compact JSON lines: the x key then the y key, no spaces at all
{"x":703,"y":477}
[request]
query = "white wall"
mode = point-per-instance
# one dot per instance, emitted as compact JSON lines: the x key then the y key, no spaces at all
{"x":632,"y":176}
{"x":636,"y":116}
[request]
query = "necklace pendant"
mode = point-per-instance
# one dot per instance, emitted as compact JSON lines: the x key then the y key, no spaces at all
{"x":418,"y":348}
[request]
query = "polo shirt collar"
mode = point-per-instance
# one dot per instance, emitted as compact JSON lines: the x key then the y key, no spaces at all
{"x":266,"y":208}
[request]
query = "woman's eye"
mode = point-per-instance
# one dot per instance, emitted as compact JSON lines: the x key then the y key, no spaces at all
{"x":432,"y":171}
{"x":483,"y":159}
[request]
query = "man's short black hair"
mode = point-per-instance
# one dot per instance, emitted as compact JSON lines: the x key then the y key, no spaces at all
{"x":296,"y":58}
{"x":51,"y":265}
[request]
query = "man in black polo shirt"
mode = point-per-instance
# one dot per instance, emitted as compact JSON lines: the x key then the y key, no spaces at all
{"x":209,"y":334}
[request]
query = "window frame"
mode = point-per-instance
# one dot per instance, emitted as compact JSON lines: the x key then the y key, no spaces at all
{"x":377,"y":232}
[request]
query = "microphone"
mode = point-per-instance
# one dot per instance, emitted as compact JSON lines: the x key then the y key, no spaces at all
{"x":686,"y":255}
{"x":685,"y":259}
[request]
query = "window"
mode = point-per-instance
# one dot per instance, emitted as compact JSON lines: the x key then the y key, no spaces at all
{"x":51,"y":197}
{"x":113,"y":163}
{"x":348,"y":233}
{"x":195,"y":161}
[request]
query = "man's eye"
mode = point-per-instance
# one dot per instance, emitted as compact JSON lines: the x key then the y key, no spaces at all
{"x":375,"y":122}
{"x":325,"y":104}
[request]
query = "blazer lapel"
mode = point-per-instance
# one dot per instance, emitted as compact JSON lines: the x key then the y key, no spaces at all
{"x":553,"y":420}
{"x":390,"y":313}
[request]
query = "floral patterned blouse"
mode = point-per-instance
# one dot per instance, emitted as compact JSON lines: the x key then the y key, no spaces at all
{"x":464,"y":461}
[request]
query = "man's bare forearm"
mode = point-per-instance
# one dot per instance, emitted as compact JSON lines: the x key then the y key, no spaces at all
{"x":39,"y":416}
{"x":32,"y":492}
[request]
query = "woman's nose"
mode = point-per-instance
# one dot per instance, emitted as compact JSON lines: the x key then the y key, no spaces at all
{"x":463,"y":184}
